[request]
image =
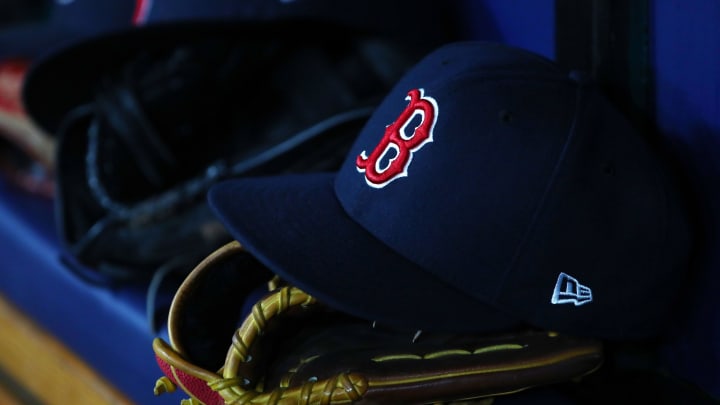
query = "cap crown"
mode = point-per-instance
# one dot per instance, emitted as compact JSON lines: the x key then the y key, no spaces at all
{"x":494,"y":170}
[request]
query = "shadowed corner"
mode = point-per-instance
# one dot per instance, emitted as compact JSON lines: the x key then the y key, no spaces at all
{"x":15,"y":12}
{"x":698,"y":312}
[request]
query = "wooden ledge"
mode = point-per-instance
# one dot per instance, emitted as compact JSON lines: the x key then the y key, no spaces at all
{"x":35,"y":365}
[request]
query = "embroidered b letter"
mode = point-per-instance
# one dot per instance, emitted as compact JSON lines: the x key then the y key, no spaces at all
{"x":392,"y":156}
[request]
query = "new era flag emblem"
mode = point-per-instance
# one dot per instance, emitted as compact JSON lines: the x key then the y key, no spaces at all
{"x":569,"y":291}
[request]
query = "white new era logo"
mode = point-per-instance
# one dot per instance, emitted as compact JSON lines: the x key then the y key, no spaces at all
{"x":569,"y":291}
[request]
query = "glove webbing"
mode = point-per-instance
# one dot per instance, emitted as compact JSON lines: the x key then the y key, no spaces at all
{"x":339,"y":389}
{"x":343,"y":388}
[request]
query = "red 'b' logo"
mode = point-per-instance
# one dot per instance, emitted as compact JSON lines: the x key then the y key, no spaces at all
{"x":392,"y":156}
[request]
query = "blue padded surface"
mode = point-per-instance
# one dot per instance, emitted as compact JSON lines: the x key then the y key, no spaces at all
{"x":107,"y":327}
{"x":686,"y":57}
{"x":528,"y":24}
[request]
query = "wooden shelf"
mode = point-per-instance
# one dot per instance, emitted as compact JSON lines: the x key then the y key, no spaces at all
{"x":37,"y":369}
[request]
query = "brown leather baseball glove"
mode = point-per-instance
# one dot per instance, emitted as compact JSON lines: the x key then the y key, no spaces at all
{"x":292,"y":349}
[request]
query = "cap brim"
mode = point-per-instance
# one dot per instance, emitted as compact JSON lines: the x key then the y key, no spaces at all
{"x":295,"y":225}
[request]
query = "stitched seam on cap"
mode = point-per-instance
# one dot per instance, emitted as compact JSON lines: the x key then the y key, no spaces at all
{"x":579,"y":107}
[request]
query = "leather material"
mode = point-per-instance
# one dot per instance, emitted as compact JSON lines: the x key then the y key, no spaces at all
{"x":183,"y":109}
{"x":290,"y":348}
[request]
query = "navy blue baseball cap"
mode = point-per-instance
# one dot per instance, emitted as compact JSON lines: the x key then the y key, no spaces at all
{"x":490,"y":190}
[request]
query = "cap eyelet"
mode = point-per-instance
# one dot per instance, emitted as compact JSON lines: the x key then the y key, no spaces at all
{"x":505,"y":116}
